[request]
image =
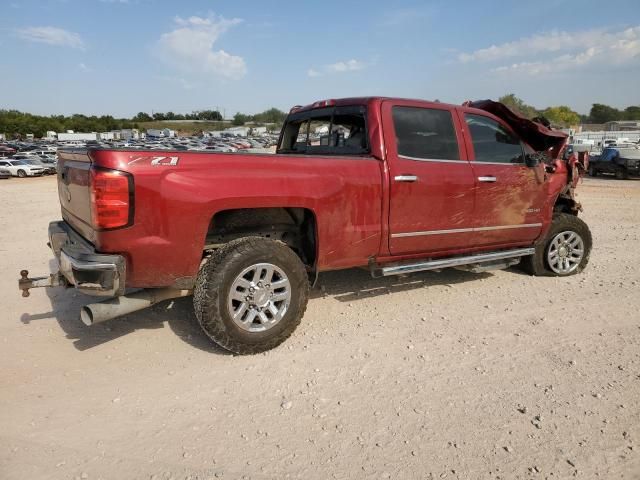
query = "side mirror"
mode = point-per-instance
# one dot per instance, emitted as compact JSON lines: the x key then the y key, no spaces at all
{"x":567,"y":153}
{"x":531,"y":160}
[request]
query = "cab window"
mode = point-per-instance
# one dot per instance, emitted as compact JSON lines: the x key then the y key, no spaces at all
{"x":492,"y":143}
{"x":326,"y":131}
{"x":425,"y":133}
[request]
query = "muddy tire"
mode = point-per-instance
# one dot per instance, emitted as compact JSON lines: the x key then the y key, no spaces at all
{"x":22,"y":173}
{"x":565,"y":250}
{"x":251,"y":294}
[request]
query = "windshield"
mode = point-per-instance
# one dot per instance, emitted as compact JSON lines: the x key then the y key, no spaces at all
{"x":326,"y":131}
{"x":17,"y":162}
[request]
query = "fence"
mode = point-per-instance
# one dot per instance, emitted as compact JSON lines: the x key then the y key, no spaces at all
{"x":599,"y":137}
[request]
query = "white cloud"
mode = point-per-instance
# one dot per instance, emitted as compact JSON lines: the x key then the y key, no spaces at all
{"x":51,"y":36}
{"x":338,"y":67}
{"x":83,"y":67}
{"x":562,"y":51}
{"x":348,"y":66}
{"x":189,"y":47}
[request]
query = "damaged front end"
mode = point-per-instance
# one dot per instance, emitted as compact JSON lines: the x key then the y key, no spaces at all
{"x":563,"y":166}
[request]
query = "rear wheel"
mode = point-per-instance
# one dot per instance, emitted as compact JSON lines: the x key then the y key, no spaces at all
{"x":22,"y":173}
{"x":592,"y":171}
{"x":251,"y":294}
{"x":565,"y":251}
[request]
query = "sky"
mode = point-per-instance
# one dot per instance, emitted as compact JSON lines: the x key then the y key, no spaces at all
{"x":120,"y":57}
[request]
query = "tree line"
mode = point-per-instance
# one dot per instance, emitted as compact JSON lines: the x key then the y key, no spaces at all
{"x":564,"y":116}
{"x":273,"y":115}
{"x":14,"y":123}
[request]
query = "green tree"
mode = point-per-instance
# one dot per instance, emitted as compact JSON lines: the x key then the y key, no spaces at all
{"x":561,"y":116}
{"x":273,"y":115}
{"x":142,"y":117}
{"x":517,"y":105}
{"x":632,"y":113}
{"x":240,"y":119}
{"x":604,"y":113}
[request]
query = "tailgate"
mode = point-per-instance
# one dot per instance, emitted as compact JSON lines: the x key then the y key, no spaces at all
{"x":73,"y":190}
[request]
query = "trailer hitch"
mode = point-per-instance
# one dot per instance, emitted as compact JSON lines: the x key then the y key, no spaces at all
{"x":25,"y":283}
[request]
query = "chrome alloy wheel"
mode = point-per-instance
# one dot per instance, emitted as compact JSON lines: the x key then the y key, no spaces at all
{"x":259,"y":297}
{"x":565,"y":252}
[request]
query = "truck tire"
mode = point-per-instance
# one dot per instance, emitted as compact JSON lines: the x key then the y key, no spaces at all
{"x":22,"y":173}
{"x":251,"y":294}
{"x":565,"y":250}
{"x":621,"y":174}
{"x":592,"y":171}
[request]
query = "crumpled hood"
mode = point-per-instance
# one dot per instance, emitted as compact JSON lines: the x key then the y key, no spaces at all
{"x":535,"y":134}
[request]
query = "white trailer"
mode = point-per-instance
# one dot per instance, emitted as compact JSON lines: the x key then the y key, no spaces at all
{"x":77,"y":137}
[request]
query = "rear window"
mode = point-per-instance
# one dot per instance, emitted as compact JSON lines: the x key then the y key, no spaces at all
{"x":425,"y":133}
{"x":326,"y":131}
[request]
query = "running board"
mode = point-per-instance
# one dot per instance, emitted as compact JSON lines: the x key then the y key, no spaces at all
{"x":398,"y":269}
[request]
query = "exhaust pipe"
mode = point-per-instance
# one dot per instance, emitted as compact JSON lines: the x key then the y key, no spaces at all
{"x":115,"y":307}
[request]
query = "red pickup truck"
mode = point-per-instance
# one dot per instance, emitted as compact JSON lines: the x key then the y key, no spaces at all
{"x":393,"y":185}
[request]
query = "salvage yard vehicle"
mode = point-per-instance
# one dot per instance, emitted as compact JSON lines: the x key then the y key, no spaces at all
{"x":19,"y":168}
{"x":396,"y":186}
{"x":621,"y":162}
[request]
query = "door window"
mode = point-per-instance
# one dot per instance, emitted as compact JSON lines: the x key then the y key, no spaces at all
{"x":425,"y":133}
{"x":492,"y":143}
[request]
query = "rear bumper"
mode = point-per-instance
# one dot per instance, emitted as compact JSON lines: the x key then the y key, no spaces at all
{"x":89,"y":272}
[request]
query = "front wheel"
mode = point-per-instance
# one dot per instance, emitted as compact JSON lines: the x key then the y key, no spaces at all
{"x":592,"y":171}
{"x":251,"y":294}
{"x":22,"y":173}
{"x":565,"y":250}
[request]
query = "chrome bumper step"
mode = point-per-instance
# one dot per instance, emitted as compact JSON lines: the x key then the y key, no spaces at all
{"x":479,"y":259}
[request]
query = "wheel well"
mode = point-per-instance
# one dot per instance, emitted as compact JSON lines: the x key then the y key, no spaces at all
{"x":294,"y":226}
{"x":566,"y":204}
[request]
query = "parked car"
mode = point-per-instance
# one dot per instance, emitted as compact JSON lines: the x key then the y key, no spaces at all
{"x":620,"y":162}
{"x":395,"y":186}
{"x":19,"y":168}
{"x":6,"y":151}
{"x":35,"y":160}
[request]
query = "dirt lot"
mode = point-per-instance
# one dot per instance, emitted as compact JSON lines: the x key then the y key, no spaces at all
{"x":450,"y":375}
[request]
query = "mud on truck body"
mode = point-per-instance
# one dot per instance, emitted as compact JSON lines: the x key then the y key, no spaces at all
{"x":392,"y":185}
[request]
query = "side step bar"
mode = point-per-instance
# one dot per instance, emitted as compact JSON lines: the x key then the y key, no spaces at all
{"x":398,"y":269}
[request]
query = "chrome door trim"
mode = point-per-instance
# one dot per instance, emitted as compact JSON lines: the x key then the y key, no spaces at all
{"x":405,"y":157}
{"x":464,"y":230}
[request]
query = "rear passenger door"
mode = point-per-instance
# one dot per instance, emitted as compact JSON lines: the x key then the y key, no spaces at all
{"x":509,"y":195}
{"x":431,"y":185}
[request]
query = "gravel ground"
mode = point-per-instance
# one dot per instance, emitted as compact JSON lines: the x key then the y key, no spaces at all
{"x":450,"y":375}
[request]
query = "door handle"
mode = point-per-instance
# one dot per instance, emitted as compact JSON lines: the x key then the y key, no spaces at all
{"x":405,"y":178}
{"x":489,"y":179}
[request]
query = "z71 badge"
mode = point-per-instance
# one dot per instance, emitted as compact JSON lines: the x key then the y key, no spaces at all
{"x":156,"y":161}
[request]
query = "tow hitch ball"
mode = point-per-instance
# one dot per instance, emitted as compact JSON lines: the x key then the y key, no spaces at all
{"x":25,"y":283}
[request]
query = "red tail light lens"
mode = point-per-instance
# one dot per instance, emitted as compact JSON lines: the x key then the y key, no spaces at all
{"x":111,"y":199}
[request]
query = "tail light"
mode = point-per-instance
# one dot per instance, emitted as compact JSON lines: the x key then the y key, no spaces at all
{"x":111,"y":199}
